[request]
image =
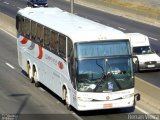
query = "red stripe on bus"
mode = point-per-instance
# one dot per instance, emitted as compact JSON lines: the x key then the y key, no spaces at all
{"x":40,"y":52}
{"x":24,"y":40}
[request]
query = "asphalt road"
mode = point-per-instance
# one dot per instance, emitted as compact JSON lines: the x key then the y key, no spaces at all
{"x":19,"y":96}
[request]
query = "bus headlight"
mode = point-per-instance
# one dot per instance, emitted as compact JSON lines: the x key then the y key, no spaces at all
{"x":84,"y":99}
{"x":128,"y":96}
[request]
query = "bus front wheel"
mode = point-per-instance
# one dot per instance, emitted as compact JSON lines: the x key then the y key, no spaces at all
{"x":66,"y":98}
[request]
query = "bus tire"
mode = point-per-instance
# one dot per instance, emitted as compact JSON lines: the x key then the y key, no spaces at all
{"x":37,"y":84}
{"x":66,"y":99}
{"x":28,"y":66}
{"x":29,"y":71}
{"x":35,"y":77}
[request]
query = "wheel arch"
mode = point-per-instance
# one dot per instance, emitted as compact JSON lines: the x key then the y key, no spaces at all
{"x":64,"y":86}
{"x":28,"y":62}
{"x":35,"y":68}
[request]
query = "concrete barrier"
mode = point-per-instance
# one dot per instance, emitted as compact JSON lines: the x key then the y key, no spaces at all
{"x":150,"y":96}
{"x":7,"y":23}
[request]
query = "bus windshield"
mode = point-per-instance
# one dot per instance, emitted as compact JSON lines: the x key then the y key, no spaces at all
{"x":104,"y":67}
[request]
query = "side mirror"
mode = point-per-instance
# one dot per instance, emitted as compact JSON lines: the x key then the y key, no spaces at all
{"x":137,"y":97}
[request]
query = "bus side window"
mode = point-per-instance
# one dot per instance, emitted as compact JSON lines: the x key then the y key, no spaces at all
{"x":54,"y":42}
{"x":19,"y":24}
{"x":46,"y":37}
{"x":69,"y":47}
{"x":22,"y":26}
{"x":40,"y":34}
{"x":71,"y":67}
{"x":33,"y":30}
{"x":62,"y":46}
{"x":71,"y":62}
{"x":27,"y":29}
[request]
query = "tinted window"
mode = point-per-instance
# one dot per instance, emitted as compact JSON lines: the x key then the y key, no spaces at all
{"x":33,"y":30}
{"x":100,"y":49}
{"x":46,"y":37}
{"x":69,"y":46}
{"x":27,"y":28}
{"x":62,"y":45}
{"x":40,"y":34}
{"x":54,"y":42}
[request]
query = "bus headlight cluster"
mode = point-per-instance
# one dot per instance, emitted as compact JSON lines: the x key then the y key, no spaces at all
{"x":128,"y":96}
{"x":84,"y":99}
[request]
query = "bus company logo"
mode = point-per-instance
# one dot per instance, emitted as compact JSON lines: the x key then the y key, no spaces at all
{"x":107,"y":98}
{"x":24,"y":40}
{"x":60,"y":65}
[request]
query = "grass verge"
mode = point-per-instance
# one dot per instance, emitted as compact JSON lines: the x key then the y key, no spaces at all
{"x":136,"y":6}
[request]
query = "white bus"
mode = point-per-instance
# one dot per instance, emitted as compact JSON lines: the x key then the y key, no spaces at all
{"x":87,"y":64}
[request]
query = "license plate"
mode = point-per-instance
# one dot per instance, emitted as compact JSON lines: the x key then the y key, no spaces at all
{"x":107,"y":105}
{"x":150,"y":66}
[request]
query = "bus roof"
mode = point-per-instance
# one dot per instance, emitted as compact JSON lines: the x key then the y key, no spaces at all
{"x":75,"y":27}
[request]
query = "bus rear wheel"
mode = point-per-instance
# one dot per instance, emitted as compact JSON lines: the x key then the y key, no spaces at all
{"x":35,"y":77}
{"x":29,"y":70}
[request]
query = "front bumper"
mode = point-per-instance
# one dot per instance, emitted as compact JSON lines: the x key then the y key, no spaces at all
{"x":100,"y":105}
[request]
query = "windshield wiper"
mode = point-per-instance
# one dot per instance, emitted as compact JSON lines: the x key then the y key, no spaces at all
{"x":102,"y":79}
